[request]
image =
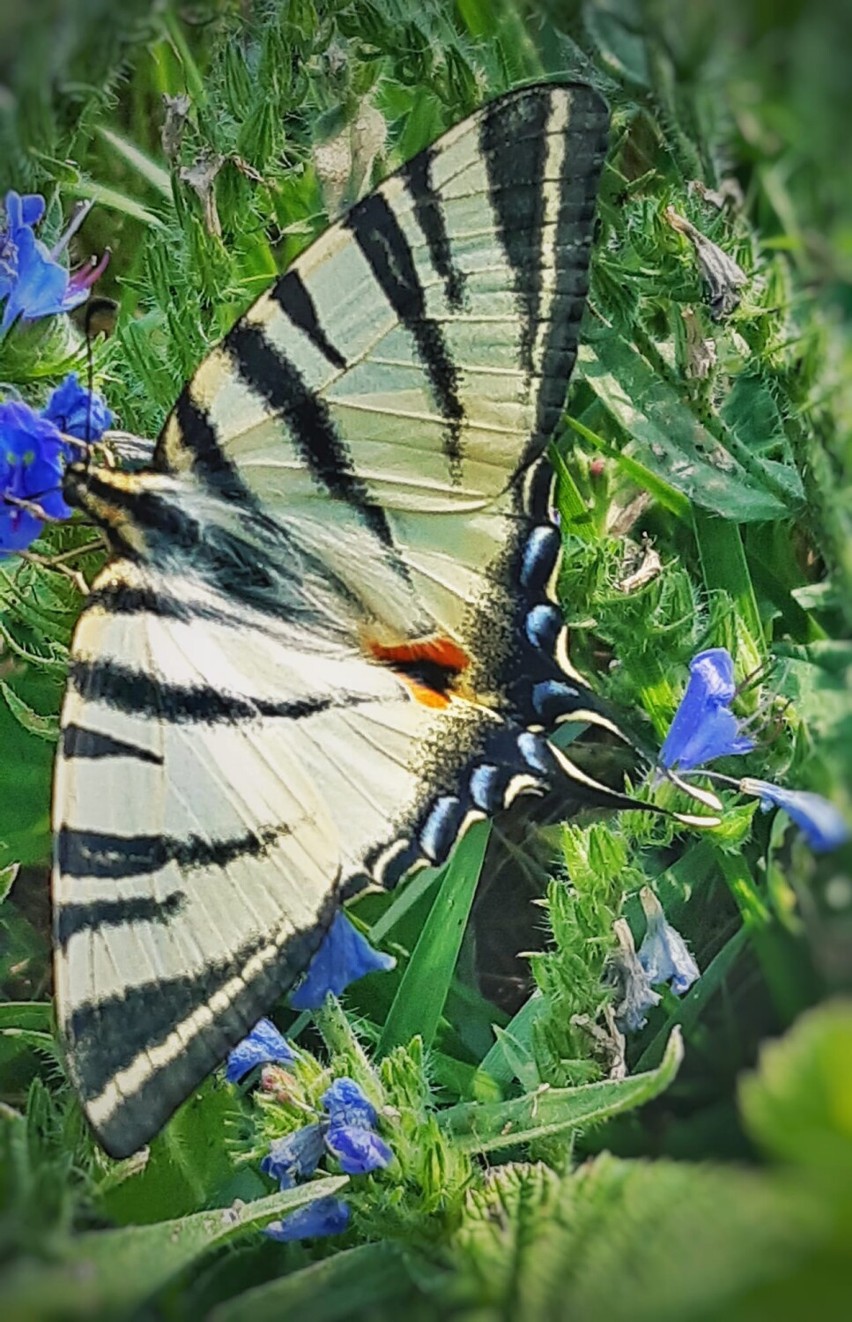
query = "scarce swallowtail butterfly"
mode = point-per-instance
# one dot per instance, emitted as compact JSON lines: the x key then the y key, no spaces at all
{"x":327,"y":640}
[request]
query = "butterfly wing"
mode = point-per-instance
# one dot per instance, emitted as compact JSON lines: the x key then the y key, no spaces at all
{"x":196,"y":864}
{"x":329,"y":641}
{"x":215,"y":782}
{"x":413,"y":362}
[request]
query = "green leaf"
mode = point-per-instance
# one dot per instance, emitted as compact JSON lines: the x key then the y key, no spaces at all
{"x":351,"y":1284}
{"x":626,"y":1241}
{"x":500,"y":1062}
{"x":45,"y":727}
{"x":798,"y":1103}
{"x":478,"y":1127}
{"x":724,"y":566}
{"x":34,"y":1016}
{"x":667,"y":437}
{"x":423,"y":988}
{"x":189,"y":1164}
{"x":105,"y":1273}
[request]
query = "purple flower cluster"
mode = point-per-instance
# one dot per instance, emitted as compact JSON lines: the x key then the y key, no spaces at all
{"x":33,"y":454}
{"x":344,"y":1129}
{"x":33,"y":283}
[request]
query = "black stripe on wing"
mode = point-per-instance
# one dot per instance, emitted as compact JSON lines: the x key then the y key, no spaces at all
{"x":381,"y":240}
{"x":588,"y":127}
{"x":124,"y":599}
{"x":143,"y":694}
{"x":116,"y":857}
{"x":71,"y":919}
{"x":429,"y":211}
{"x":276,"y":380}
{"x":107,"y":1036}
{"x":209,"y":461}
{"x":79,"y":742}
{"x":291,"y":295}
{"x":513,"y":140}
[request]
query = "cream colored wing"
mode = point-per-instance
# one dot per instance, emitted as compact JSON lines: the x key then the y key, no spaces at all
{"x":384,"y":398}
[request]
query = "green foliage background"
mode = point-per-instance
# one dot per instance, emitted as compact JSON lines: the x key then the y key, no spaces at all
{"x":531,"y":1181}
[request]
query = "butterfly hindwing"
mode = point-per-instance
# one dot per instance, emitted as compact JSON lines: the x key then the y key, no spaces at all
{"x":329,"y":640}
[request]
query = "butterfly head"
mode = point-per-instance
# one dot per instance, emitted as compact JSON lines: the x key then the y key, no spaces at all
{"x":136,"y":511}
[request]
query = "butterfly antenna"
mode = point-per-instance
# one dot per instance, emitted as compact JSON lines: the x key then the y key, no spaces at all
{"x":90,"y":374}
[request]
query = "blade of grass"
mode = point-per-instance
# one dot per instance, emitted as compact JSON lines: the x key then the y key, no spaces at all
{"x":155,"y":175}
{"x":115,"y":201}
{"x":724,"y":565}
{"x":665,"y":494}
{"x":423,"y":988}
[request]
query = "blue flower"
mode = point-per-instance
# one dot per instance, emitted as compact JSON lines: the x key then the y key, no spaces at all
{"x":346,"y":1104}
{"x":821,"y":823}
{"x":704,"y":727}
{"x":77,"y":411}
{"x":296,"y":1156}
{"x":21,"y":212}
{"x":263,"y":1046}
{"x":32,"y":461}
{"x":351,"y":1133}
{"x":344,"y":956}
{"x":663,"y":953}
{"x":347,"y":1131}
{"x":326,"y":1216}
{"x":32,"y":282}
{"x":358,"y":1150}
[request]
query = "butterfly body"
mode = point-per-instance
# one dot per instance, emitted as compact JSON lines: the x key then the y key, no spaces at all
{"x":328,"y":640}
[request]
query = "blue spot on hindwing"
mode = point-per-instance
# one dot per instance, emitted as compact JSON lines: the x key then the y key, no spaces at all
{"x":540,"y":554}
{"x":543,"y":626}
{"x":439,"y":831}
{"x":535,"y":752}
{"x":552,"y":699}
{"x":486,"y":788}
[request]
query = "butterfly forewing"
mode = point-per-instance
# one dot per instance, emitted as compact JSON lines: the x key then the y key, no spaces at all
{"x":254,"y":722}
{"x":416,"y":356}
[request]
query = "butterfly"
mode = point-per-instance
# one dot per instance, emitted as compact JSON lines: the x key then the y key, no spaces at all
{"x":327,"y":640}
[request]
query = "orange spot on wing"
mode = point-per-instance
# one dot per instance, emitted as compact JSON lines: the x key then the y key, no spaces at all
{"x":422,"y":693}
{"x":439,"y":650}
{"x":429,"y":667}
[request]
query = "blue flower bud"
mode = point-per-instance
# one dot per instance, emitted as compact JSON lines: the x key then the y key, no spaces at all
{"x":822,"y":824}
{"x":359,"y":1150}
{"x":77,"y":411}
{"x":663,"y":953}
{"x":263,"y":1046}
{"x":295,"y":1156}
